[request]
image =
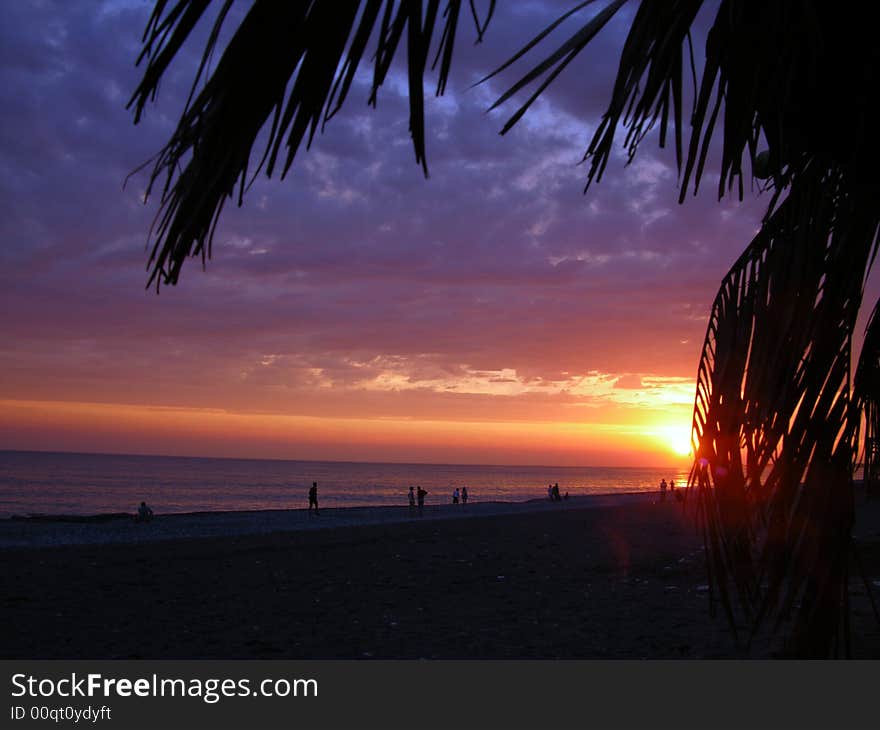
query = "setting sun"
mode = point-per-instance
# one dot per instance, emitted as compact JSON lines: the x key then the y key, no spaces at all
{"x":679,"y":439}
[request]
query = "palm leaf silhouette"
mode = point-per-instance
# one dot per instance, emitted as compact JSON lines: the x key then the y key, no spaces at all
{"x":867,"y":394}
{"x":776,"y":417}
{"x":291,"y":62}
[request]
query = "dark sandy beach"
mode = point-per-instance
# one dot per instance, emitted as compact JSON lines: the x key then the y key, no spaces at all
{"x":623,"y":581}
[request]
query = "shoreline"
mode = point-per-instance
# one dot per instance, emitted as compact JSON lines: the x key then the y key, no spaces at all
{"x":41,"y":531}
{"x":107,"y":516}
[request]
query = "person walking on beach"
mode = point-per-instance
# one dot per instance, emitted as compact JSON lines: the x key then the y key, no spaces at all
{"x":550,"y":492}
{"x":455,"y":496}
{"x":464,"y":495}
{"x":313,"y":497}
{"x":662,"y":490}
{"x":412,"y":500}
{"x":420,"y":494}
{"x":555,"y":493}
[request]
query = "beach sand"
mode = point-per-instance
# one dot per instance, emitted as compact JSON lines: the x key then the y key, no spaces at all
{"x":617,"y":577}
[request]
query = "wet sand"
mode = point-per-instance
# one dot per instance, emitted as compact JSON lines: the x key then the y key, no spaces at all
{"x":619,"y":579}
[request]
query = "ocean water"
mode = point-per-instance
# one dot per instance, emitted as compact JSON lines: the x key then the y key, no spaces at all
{"x":90,"y":484}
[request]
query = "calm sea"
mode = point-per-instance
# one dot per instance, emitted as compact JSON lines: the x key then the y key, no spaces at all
{"x":88,"y":484}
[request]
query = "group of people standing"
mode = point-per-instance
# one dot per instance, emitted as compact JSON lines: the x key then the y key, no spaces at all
{"x":676,"y":493}
{"x":553,"y":493}
{"x":417,"y":496}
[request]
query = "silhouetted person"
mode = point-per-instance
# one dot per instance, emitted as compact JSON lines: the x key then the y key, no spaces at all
{"x":554,"y":495}
{"x":662,"y":490}
{"x":464,"y":495}
{"x":420,"y":495}
{"x":313,"y":498}
{"x":412,"y":499}
{"x":550,"y":492}
{"x":144,"y":513}
{"x":455,"y":496}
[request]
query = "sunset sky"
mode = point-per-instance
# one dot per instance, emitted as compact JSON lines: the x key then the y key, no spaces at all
{"x":490,"y":314}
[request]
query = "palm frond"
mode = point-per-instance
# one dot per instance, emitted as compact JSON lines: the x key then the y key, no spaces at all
{"x":293,"y":63}
{"x":867,"y":396}
{"x":764,"y":64}
{"x":775,"y":420}
{"x":557,"y":61}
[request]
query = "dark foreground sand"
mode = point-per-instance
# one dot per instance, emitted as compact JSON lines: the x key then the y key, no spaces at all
{"x":570,"y":582}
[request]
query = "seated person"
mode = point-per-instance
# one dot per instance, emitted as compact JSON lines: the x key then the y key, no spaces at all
{"x":144,"y":513}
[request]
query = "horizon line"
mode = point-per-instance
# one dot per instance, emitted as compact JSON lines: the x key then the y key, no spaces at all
{"x":324,"y":461}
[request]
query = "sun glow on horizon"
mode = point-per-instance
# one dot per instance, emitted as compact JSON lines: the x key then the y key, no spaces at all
{"x":678,"y":438}
{"x":183,"y":431}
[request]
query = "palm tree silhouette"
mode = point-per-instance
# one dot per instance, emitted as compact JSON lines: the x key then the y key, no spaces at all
{"x":777,"y":415}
